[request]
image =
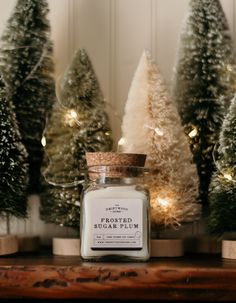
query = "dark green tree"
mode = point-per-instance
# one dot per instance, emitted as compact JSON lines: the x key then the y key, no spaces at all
{"x":204,"y":82}
{"x":222,"y":193}
{"x":27,"y":67}
{"x":13,"y":162}
{"x":78,"y":124}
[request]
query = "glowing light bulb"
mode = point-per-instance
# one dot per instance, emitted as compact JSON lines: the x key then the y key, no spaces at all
{"x":163,"y":202}
{"x":121,"y":142}
{"x":158,"y":131}
{"x":43,"y":141}
{"x":71,"y":117}
{"x":229,"y":67}
{"x":73,"y":114}
{"x":193,"y":133}
{"x":228,"y":177}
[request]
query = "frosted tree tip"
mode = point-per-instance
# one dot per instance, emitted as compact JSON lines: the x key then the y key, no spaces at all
{"x":147,"y":53}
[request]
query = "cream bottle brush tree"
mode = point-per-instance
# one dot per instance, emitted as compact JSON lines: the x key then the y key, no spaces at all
{"x":151,"y":125}
{"x":78,"y":124}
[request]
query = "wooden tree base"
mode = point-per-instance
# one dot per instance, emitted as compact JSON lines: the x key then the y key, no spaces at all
{"x":28,"y":243}
{"x":66,"y":247}
{"x":203,"y":245}
{"x":8,"y":244}
{"x":229,"y":249}
{"x":167,"y":248}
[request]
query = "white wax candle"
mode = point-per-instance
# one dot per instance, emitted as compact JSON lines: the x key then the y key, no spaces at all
{"x":115,"y":217}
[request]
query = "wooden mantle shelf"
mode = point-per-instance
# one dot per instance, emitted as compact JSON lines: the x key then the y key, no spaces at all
{"x":190,"y":278}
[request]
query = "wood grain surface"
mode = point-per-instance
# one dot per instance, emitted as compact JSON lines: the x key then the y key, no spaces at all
{"x":192,"y":278}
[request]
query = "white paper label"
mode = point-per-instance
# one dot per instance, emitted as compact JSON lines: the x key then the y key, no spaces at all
{"x":117,"y":224}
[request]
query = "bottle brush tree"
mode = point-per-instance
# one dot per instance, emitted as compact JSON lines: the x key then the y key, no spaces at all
{"x":27,"y":67}
{"x":222,"y":193}
{"x":204,"y":82}
{"x":78,"y":124}
{"x":151,"y":125}
{"x":13,"y":162}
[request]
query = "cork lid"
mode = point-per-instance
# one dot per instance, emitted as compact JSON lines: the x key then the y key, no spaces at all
{"x":114,"y":164}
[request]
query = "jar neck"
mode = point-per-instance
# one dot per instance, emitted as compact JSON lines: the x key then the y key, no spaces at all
{"x":116,"y":181}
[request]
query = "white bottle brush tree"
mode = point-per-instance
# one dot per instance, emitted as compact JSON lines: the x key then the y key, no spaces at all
{"x":151,"y":125}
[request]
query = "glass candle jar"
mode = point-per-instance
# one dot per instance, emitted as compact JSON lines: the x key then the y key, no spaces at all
{"x":115,"y":215}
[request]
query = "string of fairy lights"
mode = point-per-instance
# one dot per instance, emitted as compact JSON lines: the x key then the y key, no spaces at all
{"x":165,"y":203}
{"x":226,"y":175}
{"x":73,"y":119}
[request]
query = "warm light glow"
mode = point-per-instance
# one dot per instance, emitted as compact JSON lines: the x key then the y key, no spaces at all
{"x":43,"y":141}
{"x":229,"y":68}
{"x":107,"y":133}
{"x":158,"y":131}
{"x":163,"y":202}
{"x":73,"y":114}
{"x":228,"y":177}
{"x":193,"y":133}
{"x":121,"y":141}
{"x":71,"y":117}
